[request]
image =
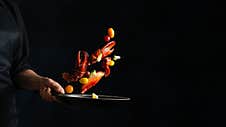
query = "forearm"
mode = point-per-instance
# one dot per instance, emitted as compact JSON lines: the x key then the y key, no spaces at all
{"x":28,"y":79}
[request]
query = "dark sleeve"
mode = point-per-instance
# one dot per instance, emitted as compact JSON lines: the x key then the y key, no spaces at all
{"x":21,"y":47}
{"x":21,"y":55}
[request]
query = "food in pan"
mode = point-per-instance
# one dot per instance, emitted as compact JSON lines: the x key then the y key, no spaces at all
{"x":69,"y":89}
{"x":85,"y":72}
{"x":94,"y":96}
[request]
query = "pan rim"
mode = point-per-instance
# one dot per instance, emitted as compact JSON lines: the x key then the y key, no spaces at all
{"x":100,"y":97}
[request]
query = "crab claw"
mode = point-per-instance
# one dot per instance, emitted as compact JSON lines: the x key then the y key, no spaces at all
{"x":82,"y":60}
{"x":108,"y":49}
{"x":92,"y":81}
{"x":81,"y":65}
{"x":103,"y":52}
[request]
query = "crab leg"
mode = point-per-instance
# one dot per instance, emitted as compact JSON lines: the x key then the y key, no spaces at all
{"x":108,"y":49}
{"x":80,"y":67}
{"x":102,"y":52}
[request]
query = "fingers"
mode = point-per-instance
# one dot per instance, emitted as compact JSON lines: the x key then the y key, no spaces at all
{"x":54,"y":85}
{"x":45,"y":93}
{"x":47,"y":87}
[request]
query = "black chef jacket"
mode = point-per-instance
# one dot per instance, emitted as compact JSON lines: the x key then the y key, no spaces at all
{"x":13,"y":59}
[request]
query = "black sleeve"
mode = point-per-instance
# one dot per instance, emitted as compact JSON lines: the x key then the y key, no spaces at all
{"x":21,"y":55}
{"x":21,"y":48}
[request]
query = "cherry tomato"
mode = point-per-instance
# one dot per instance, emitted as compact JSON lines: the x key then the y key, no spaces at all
{"x":111,"y":32}
{"x":69,"y":89}
{"x":107,"y":38}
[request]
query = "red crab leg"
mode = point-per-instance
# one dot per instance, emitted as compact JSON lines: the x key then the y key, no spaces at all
{"x":81,"y":65}
{"x":103,"y":52}
{"x":108,"y":49}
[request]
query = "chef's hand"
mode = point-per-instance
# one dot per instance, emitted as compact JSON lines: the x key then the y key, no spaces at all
{"x":47,"y":87}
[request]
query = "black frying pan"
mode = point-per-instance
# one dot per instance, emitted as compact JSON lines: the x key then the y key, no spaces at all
{"x":86,"y":100}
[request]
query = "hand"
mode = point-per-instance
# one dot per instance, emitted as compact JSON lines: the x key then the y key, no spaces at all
{"x":46,"y":87}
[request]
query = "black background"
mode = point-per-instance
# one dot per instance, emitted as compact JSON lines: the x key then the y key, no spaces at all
{"x":57,"y":30}
{"x":174,"y":71}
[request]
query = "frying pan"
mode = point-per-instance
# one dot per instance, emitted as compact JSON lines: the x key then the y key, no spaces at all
{"x":86,"y":100}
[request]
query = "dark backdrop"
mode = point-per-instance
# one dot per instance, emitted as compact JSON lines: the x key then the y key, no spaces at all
{"x":57,"y":30}
{"x":174,"y":71}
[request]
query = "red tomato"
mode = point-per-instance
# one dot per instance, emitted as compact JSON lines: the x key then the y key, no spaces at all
{"x":107,"y":38}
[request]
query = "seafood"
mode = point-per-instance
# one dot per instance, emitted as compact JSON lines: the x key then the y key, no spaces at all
{"x":101,"y":53}
{"x":80,"y":68}
{"x":82,"y":73}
